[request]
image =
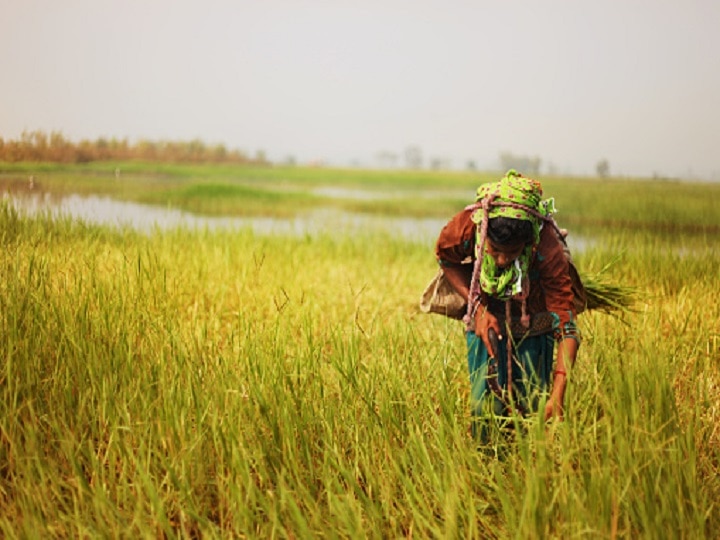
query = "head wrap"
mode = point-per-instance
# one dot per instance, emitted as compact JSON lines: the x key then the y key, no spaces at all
{"x":514,"y":196}
{"x":517,"y":197}
{"x":513,"y":188}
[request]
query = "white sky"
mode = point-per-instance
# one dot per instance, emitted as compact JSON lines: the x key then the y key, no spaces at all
{"x":636,"y":82}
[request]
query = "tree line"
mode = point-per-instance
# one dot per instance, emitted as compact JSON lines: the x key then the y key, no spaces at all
{"x":39,"y":146}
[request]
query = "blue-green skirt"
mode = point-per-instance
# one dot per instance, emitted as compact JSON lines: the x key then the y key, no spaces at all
{"x":531,"y":372}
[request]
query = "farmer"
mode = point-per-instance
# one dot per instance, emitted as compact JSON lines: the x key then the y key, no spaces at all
{"x":506,"y":257}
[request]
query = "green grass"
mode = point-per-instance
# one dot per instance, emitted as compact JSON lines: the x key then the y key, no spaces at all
{"x":663,"y":206}
{"x":187,"y":383}
{"x":230,"y":199}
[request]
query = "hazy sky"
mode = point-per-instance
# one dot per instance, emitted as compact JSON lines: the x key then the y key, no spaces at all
{"x":573,"y":82}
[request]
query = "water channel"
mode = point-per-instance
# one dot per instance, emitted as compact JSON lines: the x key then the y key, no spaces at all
{"x":145,"y":218}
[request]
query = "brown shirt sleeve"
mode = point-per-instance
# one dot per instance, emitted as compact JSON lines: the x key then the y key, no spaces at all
{"x":456,"y":243}
{"x":555,"y":281}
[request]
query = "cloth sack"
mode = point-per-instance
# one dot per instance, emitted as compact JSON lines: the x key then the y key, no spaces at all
{"x":440,"y":297}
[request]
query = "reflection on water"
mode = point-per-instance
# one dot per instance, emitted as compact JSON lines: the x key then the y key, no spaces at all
{"x":145,"y":218}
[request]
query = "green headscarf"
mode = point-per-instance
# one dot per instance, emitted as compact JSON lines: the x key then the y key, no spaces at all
{"x":517,"y":197}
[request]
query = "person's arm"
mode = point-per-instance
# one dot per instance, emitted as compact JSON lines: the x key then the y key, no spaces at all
{"x":459,"y":277}
{"x":566,"y":355}
{"x":557,"y":287}
{"x":484,"y":321}
{"x":454,"y":251}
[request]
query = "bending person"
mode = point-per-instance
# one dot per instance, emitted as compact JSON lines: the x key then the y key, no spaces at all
{"x":506,"y":256}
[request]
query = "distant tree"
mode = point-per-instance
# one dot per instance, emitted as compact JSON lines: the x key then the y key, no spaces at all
{"x":85,"y":152}
{"x":439,"y":164}
{"x":146,"y":149}
{"x":261,"y":157}
{"x":38,"y":146}
{"x":219,"y":153}
{"x":195,"y":151}
{"x":386,"y":159}
{"x":471,"y":165}
{"x":413,"y":157}
{"x":603,"y":168}
{"x":61,"y":149}
{"x":521,"y":163}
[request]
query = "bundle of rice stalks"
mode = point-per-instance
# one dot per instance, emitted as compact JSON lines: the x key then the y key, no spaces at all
{"x":603,"y":295}
{"x":606,"y":296}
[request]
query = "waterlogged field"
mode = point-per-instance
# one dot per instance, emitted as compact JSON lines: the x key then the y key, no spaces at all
{"x":287,"y":191}
{"x":182,"y":383}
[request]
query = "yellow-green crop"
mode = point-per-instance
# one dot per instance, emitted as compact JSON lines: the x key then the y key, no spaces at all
{"x":187,"y":383}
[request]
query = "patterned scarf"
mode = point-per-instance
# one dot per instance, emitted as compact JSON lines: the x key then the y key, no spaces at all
{"x":505,"y":283}
{"x":517,"y":197}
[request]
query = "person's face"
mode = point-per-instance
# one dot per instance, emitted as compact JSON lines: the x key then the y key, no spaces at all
{"x":503,"y":255}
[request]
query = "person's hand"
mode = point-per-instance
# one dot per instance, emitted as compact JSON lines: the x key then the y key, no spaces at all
{"x":484,"y":320}
{"x":555,"y":406}
{"x":554,"y":409}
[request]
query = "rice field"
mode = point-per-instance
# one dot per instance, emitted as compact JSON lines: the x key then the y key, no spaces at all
{"x":195,"y":383}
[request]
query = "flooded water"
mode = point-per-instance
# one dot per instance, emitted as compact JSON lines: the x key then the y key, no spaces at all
{"x":145,"y":218}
